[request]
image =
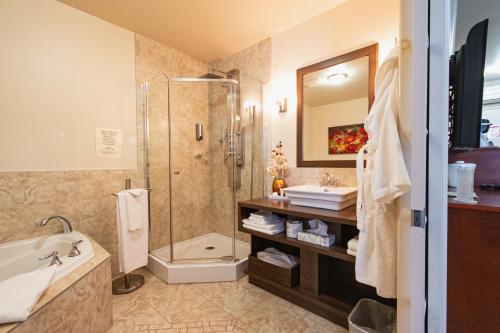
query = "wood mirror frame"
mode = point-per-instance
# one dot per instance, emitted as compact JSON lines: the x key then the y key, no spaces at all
{"x":369,"y":51}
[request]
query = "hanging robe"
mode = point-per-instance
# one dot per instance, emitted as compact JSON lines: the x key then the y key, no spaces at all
{"x":380,"y":183}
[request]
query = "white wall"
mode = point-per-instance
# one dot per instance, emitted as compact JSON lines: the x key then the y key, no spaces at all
{"x":320,"y":118}
{"x":63,"y":73}
{"x":349,"y":26}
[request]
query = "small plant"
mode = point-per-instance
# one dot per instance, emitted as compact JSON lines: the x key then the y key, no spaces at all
{"x":278,"y":163}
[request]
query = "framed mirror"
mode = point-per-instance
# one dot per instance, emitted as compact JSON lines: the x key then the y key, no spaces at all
{"x":333,"y":99}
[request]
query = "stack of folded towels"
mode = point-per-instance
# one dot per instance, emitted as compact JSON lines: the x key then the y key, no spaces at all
{"x":352,"y":246}
{"x":265,"y":222}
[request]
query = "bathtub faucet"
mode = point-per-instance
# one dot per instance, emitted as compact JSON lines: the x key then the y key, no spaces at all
{"x":65,"y":223}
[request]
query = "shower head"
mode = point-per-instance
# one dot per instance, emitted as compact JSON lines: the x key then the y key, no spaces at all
{"x":210,"y":76}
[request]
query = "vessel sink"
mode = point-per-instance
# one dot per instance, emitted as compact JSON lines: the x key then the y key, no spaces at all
{"x":334,"y":198}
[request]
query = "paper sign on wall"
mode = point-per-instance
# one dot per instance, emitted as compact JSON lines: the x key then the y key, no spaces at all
{"x":108,"y":142}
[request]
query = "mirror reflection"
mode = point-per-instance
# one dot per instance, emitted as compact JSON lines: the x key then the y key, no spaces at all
{"x":334,"y":98}
{"x":335,"y":107}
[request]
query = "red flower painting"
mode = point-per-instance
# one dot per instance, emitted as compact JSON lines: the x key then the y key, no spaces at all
{"x":346,"y":139}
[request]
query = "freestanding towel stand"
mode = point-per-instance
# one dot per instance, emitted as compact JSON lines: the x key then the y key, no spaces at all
{"x":127,"y":283}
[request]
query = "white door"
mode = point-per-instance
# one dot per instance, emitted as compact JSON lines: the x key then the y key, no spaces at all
{"x":423,"y":130}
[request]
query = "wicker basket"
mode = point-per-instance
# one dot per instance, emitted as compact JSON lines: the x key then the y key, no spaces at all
{"x":288,"y":277}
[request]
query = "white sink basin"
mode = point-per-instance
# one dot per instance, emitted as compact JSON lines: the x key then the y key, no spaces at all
{"x":334,"y":198}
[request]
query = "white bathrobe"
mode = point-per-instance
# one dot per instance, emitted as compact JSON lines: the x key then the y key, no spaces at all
{"x":384,"y":179}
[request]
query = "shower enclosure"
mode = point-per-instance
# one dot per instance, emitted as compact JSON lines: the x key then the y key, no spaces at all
{"x":198,"y":154}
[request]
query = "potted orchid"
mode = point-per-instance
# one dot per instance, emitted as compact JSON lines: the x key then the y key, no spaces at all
{"x":277,"y":167}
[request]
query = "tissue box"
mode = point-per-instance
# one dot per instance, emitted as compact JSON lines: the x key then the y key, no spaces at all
{"x":316,"y":239}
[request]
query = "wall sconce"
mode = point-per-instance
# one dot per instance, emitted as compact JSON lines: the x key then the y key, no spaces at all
{"x":250,"y":109}
{"x":282,"y":105}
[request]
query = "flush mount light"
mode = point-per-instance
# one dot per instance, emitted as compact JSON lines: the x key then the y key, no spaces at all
{"x":336,"y":78}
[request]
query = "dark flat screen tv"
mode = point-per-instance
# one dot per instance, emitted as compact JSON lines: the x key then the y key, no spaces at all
{"x":466,"y":89}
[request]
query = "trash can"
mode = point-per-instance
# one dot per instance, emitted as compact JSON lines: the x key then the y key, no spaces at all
{"x":369,"y":316}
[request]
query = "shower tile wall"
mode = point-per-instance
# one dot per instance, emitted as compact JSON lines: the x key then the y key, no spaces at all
{"x":254,"y":64}
{"x":189,"y":105}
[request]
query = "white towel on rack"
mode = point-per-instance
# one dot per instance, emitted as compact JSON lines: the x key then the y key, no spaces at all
{"x":136,"y":201}
{"x":132,"y":244}
{"x":20,"y":293}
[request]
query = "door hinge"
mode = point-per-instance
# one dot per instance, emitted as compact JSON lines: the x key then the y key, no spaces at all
{"x":419,"y":218}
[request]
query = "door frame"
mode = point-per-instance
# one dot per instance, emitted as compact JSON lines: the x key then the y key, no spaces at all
{"x":440,"y":37}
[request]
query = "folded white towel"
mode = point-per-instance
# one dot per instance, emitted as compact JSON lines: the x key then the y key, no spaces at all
{"x":278,"y":258}
{"x":136,"y":207}
{"x":269,"y":232}
{"x":264,"y":226}
{"x":132,"y":245}
{"x":262,"y":214}
{"x":20,"y":293}
{"x":352,"y":252}
{"x":266,"y":221}
{"x":353,"y":244}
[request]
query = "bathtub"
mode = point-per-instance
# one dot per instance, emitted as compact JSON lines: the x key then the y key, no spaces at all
{"x":22,"y":256}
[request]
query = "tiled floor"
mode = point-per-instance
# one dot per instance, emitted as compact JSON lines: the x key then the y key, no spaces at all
{"x":211,"y":307}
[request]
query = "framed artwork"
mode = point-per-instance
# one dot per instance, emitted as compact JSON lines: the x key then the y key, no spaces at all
{"x":346,"y":139}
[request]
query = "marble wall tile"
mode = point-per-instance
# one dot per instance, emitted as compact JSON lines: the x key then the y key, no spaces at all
{"x":254,"y":64}
{"x":312,"y":176}
{"x":188,"y":105}
{"x":84,"y":197}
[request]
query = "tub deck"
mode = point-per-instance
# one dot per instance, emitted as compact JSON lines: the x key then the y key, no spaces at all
{"x":101,"y":255}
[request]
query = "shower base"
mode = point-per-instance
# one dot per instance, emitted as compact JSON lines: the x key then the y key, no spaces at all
{"x":191,"y":265}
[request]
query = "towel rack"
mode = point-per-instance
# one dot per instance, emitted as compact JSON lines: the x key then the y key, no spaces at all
{"x":147,"y":189}
{"x":128,"y":188}
{"x":127,"y":283}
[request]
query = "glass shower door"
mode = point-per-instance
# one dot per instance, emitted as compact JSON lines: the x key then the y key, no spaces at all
{"x":202,"y":167}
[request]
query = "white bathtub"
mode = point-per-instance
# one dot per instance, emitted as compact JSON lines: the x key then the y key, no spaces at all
{"x":22,"y":256}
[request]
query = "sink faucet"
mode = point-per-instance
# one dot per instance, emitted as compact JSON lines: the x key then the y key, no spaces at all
{"x":65,"y":223}
{"x":327,"y":180}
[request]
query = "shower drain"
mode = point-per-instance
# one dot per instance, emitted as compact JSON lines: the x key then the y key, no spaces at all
{"x":210,"y":248}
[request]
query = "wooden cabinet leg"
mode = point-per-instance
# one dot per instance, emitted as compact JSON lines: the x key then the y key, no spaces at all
{"x":309,"y":268}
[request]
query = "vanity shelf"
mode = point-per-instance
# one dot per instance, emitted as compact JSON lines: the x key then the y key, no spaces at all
{"x":327,"y":285}
{"x":332,"y":251}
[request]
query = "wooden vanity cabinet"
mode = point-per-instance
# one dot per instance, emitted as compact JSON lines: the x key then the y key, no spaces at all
{"x":473,"y":301}
{"x":327,"y":285}
{"x":473,"y":292}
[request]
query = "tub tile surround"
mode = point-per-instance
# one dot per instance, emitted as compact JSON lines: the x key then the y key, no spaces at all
{"x":211,"y":307}
{"x":82,"y":298}
{"x":84,"y":197}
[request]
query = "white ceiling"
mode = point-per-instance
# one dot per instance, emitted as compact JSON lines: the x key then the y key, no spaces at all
{"x":205,"y":29}
{"x":355,"y":86}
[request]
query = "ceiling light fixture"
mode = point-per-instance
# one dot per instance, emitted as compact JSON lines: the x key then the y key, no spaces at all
{"x":336,"y":79}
